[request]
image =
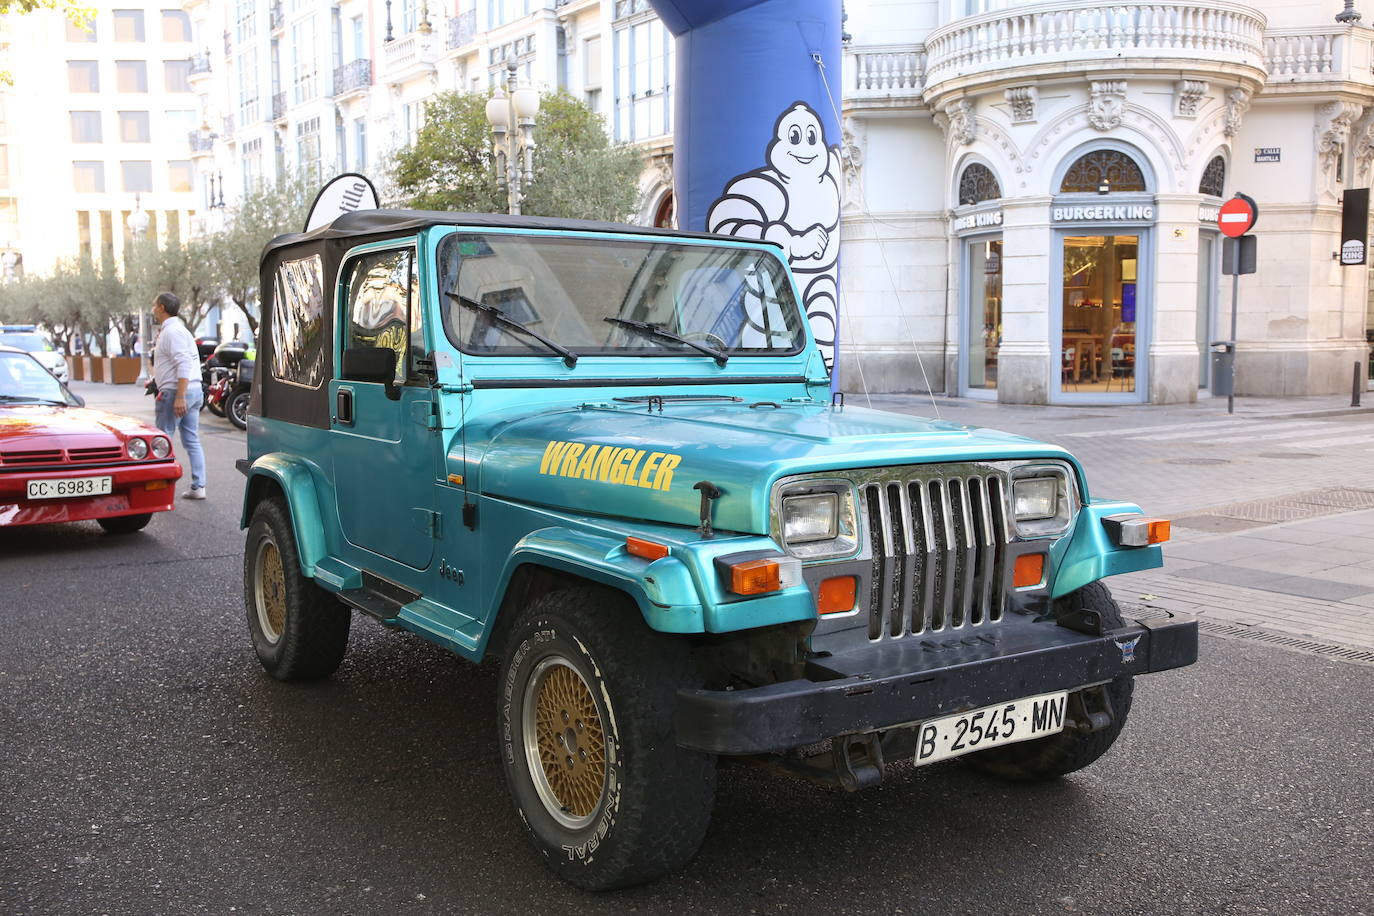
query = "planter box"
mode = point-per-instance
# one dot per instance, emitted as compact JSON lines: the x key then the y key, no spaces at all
{"x":76,"y":368}
{"x":95,"y":368}
{"x":121,"y":370}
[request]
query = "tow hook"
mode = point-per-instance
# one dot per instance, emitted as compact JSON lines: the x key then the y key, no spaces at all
{"x":857,"y":761}
{"x":1090,"y":709}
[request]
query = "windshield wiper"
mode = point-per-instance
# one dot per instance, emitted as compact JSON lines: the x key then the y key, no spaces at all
{"x":654,"y":330}
{"x":498,"y":316}
{"x":22,"y":399}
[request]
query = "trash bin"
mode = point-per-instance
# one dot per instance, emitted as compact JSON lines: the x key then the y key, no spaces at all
{"x":1223,"y":367}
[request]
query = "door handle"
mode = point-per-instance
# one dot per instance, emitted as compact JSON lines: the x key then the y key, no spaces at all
{"x":343,"y":406}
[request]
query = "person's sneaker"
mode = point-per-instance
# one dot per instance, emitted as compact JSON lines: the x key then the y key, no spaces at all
{"x":194,"y":493}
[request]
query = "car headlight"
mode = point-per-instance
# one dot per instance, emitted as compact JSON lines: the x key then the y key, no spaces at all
{"x":138,"y":449}
{"x":1042,"y":500}
{"x":161,"y":447}
{"x":817,"y":519}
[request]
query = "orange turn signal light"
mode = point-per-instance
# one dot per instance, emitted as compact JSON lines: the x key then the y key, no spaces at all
{"x":755,"y":577}
{"x":1029,"y":570}
{"x":649,"y":550}
{"x":156,"y":485}
{"x":1159,"y":530}
{"x":836,"y":595}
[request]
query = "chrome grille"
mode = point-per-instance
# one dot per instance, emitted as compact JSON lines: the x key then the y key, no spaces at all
{"x":939,"y":552}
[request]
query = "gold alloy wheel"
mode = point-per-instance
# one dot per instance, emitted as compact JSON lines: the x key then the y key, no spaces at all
{"x":565,"y":743}
{"x":271,"y":590}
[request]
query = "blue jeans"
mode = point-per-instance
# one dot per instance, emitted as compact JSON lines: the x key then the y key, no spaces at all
{"x":169,"y":422}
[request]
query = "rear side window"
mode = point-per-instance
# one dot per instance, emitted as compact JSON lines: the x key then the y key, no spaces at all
{"x":298,"y":322}
{"x":384,"y":308}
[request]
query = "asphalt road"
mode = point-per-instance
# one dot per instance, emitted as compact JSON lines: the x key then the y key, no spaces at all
{"x":149,"y":765}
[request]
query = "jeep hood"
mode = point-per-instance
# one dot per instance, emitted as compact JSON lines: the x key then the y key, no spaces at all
{"x":641,"y":464}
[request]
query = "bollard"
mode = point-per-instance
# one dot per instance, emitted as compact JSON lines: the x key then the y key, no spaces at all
{"x":1355,"y":385}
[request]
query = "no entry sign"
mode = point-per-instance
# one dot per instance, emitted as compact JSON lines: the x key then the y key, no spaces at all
{"x":1237,"y":215}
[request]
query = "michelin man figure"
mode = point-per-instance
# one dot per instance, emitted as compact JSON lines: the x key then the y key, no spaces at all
{"x":795,"y":202}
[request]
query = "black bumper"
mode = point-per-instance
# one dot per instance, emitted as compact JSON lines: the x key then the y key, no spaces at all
{"x":903,"y":682}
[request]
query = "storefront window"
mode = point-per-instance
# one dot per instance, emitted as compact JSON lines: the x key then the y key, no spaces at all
{"x":1099,"y":308}
{"x":985,"y":311}
{"x":1206,"y":302}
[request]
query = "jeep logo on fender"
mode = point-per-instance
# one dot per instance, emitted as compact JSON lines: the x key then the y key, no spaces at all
{"x":631,"y":467}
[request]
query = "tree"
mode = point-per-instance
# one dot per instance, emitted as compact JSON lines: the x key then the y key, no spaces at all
{"x":578,"y":171}
{"x":178,"y":267}
{"x":234,"y":252}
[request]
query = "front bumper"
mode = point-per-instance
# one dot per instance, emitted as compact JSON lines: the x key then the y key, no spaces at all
{"x":907,"y":681}
{"x":135,"y":489}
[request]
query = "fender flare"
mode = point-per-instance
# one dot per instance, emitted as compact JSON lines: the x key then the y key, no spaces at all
{"x":296,"y":480}
{"x":1091,"y":555}
{"x":663,"y":590}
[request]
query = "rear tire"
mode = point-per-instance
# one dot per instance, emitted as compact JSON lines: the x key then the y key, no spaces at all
{"x":215,"y":407}
{"x":125,"y":524}
{"x":237,"y":411}
{"x":1057,"y":755}
{"x":299,"y":630}
{"x":587,"y":741}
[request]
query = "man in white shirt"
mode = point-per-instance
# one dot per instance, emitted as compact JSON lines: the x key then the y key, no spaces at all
{"x":176,"y":369}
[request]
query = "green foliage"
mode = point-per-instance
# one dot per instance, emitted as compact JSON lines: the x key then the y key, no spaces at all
{"x":176,"y":267}
{"x":232,"y":254}
{"x":578,"y":171}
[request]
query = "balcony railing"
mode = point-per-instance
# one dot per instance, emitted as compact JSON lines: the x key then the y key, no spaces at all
{"x":1318,"y":54}
{"x":227,"y":128}
{"x":885,"y":71}
{"x":200,"y":63}
{"x":279,"y":106}
{"x":462,"y":29}
{"x":276,"y":16}
{"x":1086,"y":32}
{"x":411,"y":56}
{"x":200,"y":141}
{"x":353,"y":76}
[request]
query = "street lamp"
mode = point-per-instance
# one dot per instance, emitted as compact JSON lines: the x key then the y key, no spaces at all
{"x":516,"y":107}
{"x":138,"y":225}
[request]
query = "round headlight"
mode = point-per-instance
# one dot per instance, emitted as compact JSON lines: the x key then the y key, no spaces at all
{"x":161,"y":447}
{"x":138,"y":449}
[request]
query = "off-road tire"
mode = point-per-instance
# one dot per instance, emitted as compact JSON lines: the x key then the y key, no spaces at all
{"x":642,"y":811}
{"x":125,"y":524}
{"x":299,"y":630}
{"x":236,"y":408}
{"x":1056,"y":755}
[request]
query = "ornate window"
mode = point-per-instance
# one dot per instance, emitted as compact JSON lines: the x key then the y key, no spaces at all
{"x":1103,"y":168}
{"x":1213,"y":177}
{"x":978,"y":184}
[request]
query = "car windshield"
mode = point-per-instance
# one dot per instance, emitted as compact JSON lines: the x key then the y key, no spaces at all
{"x":26,"y":340}
{"x":22,"y":378}
{"x":602,"y":297}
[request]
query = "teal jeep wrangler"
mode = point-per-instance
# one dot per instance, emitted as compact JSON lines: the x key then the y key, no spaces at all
{"x":609,"y":456}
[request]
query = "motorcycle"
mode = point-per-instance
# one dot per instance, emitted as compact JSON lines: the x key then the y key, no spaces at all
{"x":241,"y":393}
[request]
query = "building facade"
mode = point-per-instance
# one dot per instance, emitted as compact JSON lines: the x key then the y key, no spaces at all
{"x":1058,"y":242}
{"x":93,"y":128}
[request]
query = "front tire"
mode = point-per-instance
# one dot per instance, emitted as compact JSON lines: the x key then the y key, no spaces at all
{"x":125,"y":524}
{"x":587,"y":741}
{"x":299,"y":630}
{"x":1058,"y":755}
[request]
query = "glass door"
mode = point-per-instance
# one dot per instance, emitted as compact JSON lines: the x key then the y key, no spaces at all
{"x":1100,"y":312}
{"x":983,"y":308}
{"x":1207,"y":276}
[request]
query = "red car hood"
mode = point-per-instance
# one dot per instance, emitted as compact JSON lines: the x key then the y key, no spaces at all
{"x":48,"y":426}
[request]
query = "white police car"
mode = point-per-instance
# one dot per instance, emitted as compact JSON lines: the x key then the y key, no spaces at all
{"x":27,"y":337}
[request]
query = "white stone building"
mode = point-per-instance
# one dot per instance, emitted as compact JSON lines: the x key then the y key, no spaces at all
{"x":93,"y":127}
{"x":1058,"y":241}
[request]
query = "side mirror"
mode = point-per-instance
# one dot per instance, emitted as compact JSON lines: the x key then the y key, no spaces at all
{"x":372,"y":364}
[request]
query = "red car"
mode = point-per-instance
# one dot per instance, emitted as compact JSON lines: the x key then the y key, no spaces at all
{"x":61,"y":461}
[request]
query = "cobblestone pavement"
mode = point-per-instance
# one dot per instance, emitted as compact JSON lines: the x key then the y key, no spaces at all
{"x":1273,"y":507}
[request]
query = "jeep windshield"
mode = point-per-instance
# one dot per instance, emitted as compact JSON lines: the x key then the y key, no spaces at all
{"x":612,"y":297}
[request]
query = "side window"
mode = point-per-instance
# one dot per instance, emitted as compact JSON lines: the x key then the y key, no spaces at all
{"x":384,"y":308}
{"x":298,"y":322}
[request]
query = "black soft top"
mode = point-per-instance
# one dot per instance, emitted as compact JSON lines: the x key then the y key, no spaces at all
{"x":361,"y":223}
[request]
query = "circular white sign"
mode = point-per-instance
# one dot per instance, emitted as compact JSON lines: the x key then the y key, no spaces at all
{"x":1352,"y":252}
{"x":344,"y":194}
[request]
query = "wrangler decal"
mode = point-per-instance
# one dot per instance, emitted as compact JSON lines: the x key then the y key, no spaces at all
{"x":631,"y":467}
